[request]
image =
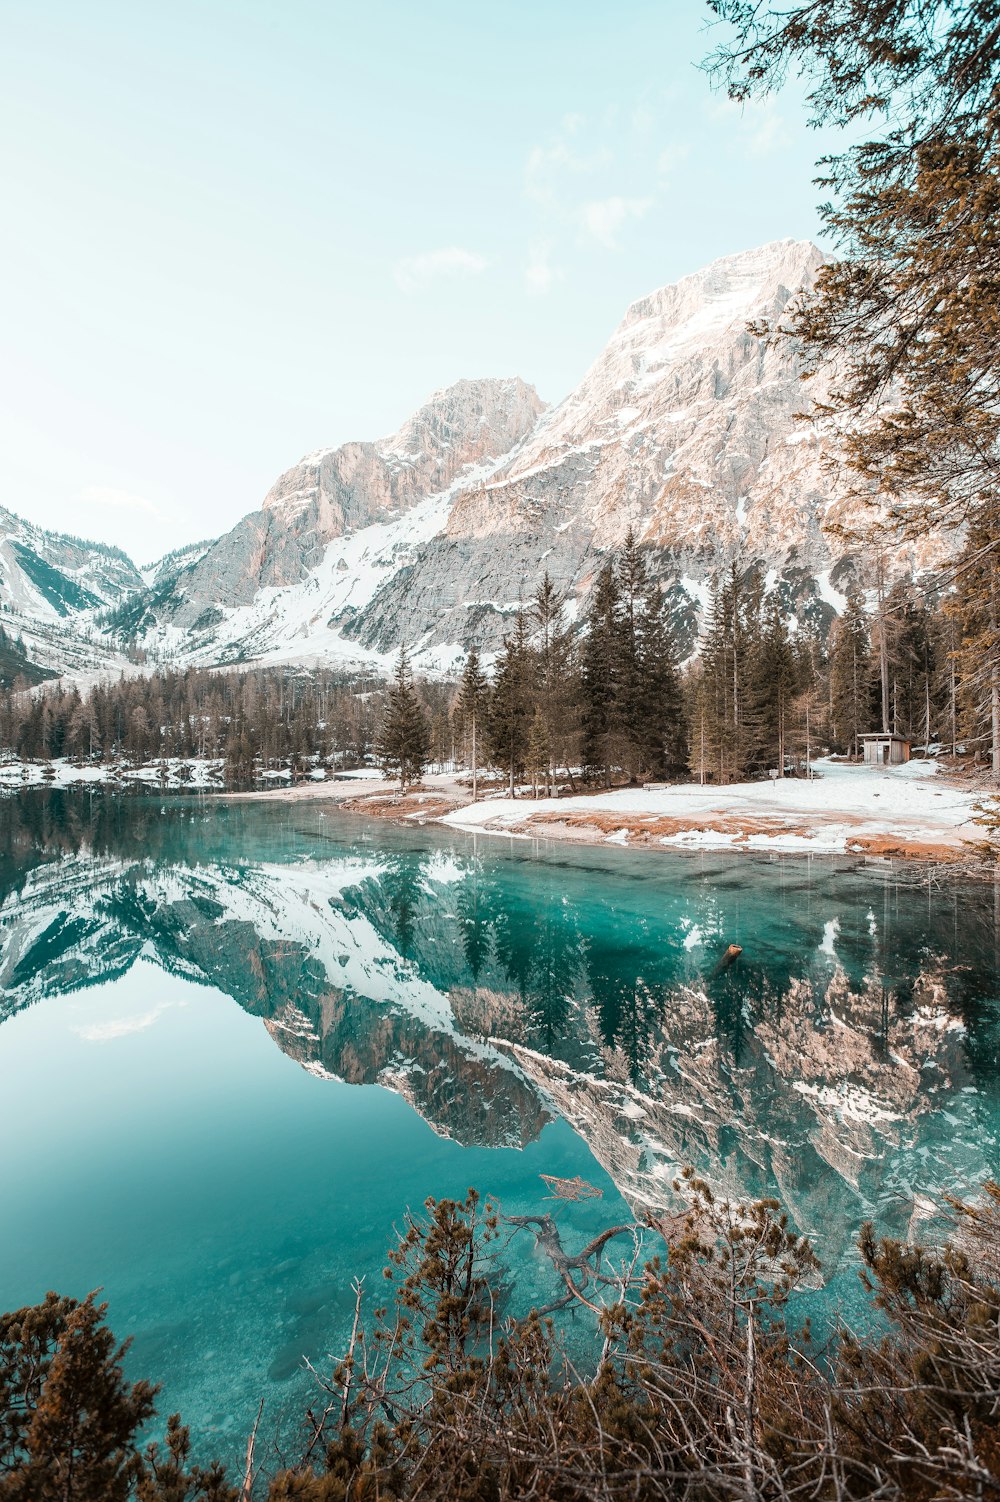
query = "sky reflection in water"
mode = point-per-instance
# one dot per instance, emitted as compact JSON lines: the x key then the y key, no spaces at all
{"x":198,"y":1002}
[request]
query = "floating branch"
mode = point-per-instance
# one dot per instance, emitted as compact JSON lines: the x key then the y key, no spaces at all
{"x":570,"y":1189}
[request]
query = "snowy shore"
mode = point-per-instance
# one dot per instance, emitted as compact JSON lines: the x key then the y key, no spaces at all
{"x":909,"y":810}
{"x":915,"y":811}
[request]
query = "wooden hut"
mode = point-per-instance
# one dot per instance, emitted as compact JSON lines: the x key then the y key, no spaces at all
{"x":884,"y":749}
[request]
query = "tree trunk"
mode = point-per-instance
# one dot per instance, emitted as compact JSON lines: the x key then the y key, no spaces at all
{"x":475,"y":769}
{"x":994,"y":684}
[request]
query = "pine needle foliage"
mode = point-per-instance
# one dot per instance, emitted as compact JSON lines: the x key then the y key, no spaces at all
{"x":700,"y":1384}
{"x":404,"y":739}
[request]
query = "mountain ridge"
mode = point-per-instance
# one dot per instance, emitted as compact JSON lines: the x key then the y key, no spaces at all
{"x":685,"y":428}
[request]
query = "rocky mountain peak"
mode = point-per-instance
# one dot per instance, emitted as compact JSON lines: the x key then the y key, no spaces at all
{"x":732,"y":287}
{"x":685,"y":429}
{"x":470,"y":420}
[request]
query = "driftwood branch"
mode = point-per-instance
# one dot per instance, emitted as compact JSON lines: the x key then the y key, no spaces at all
{"x":578,"y":1272}
{"x":358,"y":1286}
{"x":246,"y":1490}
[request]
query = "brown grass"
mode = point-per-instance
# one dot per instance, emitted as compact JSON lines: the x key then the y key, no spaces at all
{"x":399,"y":805}
{"x":907,"y":850}
{"x":641,"y":829}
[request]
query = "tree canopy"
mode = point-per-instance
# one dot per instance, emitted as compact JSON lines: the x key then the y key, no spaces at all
{"x":907,"y":317}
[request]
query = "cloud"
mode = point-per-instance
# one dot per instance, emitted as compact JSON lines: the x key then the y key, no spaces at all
{"x":604,"y":217}
{"x":415,"y":272}
{"x":671,"y":157}
{"x":546,"y":165}
{"x":539,"y":273}
{"x":760,"y":127}
{"x":117,"y":500}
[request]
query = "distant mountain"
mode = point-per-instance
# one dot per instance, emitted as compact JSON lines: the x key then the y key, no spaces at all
{"x":53,"y":590}
{"x":685,"y":428}
{"x":295,"y":577}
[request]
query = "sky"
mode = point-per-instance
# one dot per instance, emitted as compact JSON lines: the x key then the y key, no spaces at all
{"x":235,"y":231}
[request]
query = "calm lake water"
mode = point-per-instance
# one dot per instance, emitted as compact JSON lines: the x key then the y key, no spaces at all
{"x":238,"y":1040}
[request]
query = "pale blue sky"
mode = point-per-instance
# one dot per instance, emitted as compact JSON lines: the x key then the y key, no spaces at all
{"x":235,"y":231}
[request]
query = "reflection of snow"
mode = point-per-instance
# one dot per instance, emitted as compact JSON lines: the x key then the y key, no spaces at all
{"x":850,"y":1102}
{"x":830,"y":933}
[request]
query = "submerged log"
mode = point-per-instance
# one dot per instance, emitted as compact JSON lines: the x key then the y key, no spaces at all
{"x":586,"y":1264}
{"x":730,"y":957}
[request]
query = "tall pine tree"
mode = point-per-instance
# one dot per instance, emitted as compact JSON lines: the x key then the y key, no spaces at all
{"x":473,"y":703}
{"x":403,"y":744}
{"x":602,"y":676}
{"x":512,"y":705}
{"x":851,"y":697}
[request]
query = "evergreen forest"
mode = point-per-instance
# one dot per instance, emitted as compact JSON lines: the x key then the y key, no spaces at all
{"x":601,"y":697}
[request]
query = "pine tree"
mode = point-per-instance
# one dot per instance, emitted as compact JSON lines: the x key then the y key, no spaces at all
{"x":403,"y":744}
{"x":512,"y":705}
{"x":811,"y":698}
{"x":700,"y":718}
{"x":660,"y":728}
{"x":913,"y":646}
{"x":602,"y":676}
{"x":727,"y":723}
{"x":774,"y":689}
{"x":538,"y":753}
{"x":558,"y":674}
{"x":473,"y":704}
{"x":851,"y":677}
{"x":631,"y":700}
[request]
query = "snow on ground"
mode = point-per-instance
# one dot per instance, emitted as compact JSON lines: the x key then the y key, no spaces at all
{"x":825,"y":815}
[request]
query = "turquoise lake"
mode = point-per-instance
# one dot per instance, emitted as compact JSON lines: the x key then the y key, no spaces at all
{"x":238,"y":1040}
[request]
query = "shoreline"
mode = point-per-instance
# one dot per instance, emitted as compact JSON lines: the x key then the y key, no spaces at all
{"x":917,"y":812}
{"x":914,"y":813}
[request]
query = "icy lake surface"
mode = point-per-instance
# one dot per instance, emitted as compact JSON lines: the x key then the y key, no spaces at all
{"x":238,"y":1040}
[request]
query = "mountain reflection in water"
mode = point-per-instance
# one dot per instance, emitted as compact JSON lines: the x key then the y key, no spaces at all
{"x":847,"y":1062}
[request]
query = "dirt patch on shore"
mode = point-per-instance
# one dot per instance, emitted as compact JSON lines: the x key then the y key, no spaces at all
{"x":907,"y":850}
{"x":641,"y":829}
{"x":415,"y":803}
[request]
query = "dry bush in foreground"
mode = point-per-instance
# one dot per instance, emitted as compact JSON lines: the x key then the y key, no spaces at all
{"x":693,"y":1384}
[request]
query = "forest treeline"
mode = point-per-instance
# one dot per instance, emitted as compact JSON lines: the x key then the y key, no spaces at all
{"x":603,"y":695}
{"x":703,"y":1381}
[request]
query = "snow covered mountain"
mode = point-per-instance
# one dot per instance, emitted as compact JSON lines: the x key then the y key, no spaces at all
{"x":55,"y":591}
{"x":685,"y":428}
{"x":291,"y":579}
